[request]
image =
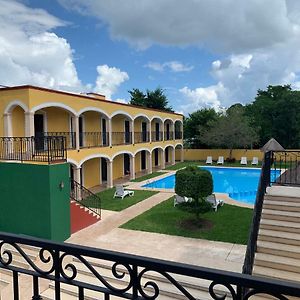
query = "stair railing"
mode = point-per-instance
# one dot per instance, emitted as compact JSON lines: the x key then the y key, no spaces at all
{"x":264,"y":182}
{"x":85,"y":197}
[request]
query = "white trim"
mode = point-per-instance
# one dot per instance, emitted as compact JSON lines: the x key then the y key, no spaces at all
{"x":157,"y":147}
{"x":73,"y":162}
{"x":178,"y":144}
{"x":170,"y":145}
{"x":178,"y":120}
{"x":168,"y":119}
{"x":13,"y":104}
{"x":141,"y":149}
{"x":91,"y":108}
{"x":157,"y":117}
{"x":142,"y":115}
{"x":54,"y":104}
{"x":91,"y":157}
{"x":122,"y":152}
{"x":121,"y":112}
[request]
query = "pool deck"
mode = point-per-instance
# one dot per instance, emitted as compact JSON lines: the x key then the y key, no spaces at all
{"x":222,"y":196}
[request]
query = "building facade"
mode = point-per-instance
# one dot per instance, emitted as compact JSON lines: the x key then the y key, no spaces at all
{"x":105,"y":140}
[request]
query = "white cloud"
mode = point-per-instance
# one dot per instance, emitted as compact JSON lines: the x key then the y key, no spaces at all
{"x":109,"y":79}
{"x":173,"y":66}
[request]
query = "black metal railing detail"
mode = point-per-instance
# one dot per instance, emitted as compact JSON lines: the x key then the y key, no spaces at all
{"x":287,"y":164}
{"x":70,"y":138}
{"x":93,"y":139}
{"x":178,"y":135}
{"x":56,"y":262}
{"x":264,"y":182}
{"x":156,"y":136}
{"x":141,"y":137}
{"x":121,"y":138}
{"x":85,"y":197}
{"x":169,"y":135}
{"x":48,"y":149}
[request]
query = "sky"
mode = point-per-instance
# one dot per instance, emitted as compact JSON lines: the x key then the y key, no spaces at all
{"x":203,"y":53}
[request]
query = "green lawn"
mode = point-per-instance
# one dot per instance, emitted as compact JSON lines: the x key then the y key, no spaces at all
{"x":148,"y":176}
{"x":184,"y":164}
{"x":117,"y":204}
{"x":230,"y":223}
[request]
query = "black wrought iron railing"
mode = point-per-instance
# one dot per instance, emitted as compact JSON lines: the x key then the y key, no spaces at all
{"x":70,"y":138}
{"x":121,"y":138}
{"x":141,"y":137}
{"x":264,"y":182}
{"x":85,"y":197}
{"x":178,"y":135}
{"x":169,"y":135}
{"x":132,"y":275}
{"x":156,"y":136}
{"x":93,"y":139}
{"x":48,"y":149}
{"x":286,"y":164}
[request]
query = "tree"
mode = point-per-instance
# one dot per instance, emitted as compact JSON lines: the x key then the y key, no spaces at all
{"x":153,"y":99}
{"x":196,"y":124}
{"x":231,"y":131}
{"x":276,"y":113}
{"x":197,"y":184}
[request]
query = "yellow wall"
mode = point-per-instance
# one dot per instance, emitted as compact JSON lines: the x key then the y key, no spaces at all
{"x":92,"y":121}
{"x":58,"y":120}
{"x":138,"y":162}
{"x":118,"y":166}
{"x":201,"y":154}
{"x":138,"y":124}
{"x":153,"y":125}
{"x":91,"y":173}
{"x":18,"y":122}
{"x":178,"y":154}
{"x":118,"y":123}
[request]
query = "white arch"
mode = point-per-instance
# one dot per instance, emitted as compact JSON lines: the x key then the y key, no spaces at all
{"x":95,"y":109}
{"x":13,"y":104}
{"x":168,"y":119}
{"x":97,"y":155}
{"x":157,"y":117}
{"x":73,"y":162}
{"x":142,"y":115}
{"x":122,"y":152}
{"x":54,"y":104}
{"x":178,"y":120}
{"x":170,"y":145}
{"x":157,"y":147}
{"x":121,"y":112}
{"x":141,"y":149}
{"x":178,"y":144}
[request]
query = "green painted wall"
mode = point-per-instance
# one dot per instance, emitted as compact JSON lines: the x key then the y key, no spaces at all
{"x":32,"y":201}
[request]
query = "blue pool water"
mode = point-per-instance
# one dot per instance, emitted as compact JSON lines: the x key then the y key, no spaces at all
{"x":240,"y":183}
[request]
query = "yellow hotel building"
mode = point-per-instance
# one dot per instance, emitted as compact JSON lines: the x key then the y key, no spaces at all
{"x":105,"y":140}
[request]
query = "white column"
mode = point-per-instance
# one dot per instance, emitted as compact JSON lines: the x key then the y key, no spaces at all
{"x":173,"y":129}
{"x":110,"y":132}
{"x":163,"y":131}
{"x":76,"y":121}
{"x":132,"y":167}
{"x":7,"y":125}
{"x":132,"y":131}
{"x":149,"y":163}
{"x":110,"y":183}
{"x":163,"y":161}
{"x":150,"y":132}
{"x":29,"y":124}
{"x":77,"y":178}
{"x":181,"y":155}
{"x":173,"y":157}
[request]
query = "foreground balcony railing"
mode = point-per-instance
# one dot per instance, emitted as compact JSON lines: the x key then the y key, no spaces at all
{"x":93,"y":139}
{"x":70,"y":138}
{"x":141,"y":137}
{"x":121,"y":138}
{"x":133,"y":276}
{"x":48,"y":149}
{"x":156,"y":136}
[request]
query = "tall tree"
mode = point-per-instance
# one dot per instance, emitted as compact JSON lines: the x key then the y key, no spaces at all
{"x":231,"y":131}
{"x":153,"y":99}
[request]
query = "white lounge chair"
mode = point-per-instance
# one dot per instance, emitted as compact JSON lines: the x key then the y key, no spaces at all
{"x":179,"y":199}
{"x":209,"y":160}
{"x":121,"y":192}
{"x":255,"y":161}
{"x":214,"y":202}
{"x":243,"y":160}
{"x":220,"y":160}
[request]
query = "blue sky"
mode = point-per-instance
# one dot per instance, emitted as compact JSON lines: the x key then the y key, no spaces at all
{"x":204,"y":53}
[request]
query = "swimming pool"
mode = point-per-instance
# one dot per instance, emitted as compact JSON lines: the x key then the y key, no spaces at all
{"x":239,"y":183}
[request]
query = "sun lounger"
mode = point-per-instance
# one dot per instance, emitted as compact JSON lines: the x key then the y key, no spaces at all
{"x":121,"y":192}
{"x":179,"y":199}
{"x":243,"y":160}
{"x":255,"y":161}
{"x":220,"y":160}
{"x":209,"y":160}
{"x":214,"y":202}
